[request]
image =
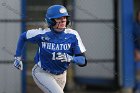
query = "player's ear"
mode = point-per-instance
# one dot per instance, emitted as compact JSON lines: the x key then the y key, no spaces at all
{"x":51,"y":22}
{"x":68,"y":21}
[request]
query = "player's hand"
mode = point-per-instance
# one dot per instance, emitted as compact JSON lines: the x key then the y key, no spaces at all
{"x":18,"y":63}
{"x":137,"y":55}
{"x":64,"y":57}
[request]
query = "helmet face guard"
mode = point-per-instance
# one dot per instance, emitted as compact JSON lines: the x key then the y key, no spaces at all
{"x":55,"y":11}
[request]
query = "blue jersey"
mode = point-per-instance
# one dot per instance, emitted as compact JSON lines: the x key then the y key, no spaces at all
{"x":50,"y":44}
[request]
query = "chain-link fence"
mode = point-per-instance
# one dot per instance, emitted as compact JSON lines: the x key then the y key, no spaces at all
{"x":95,"y":20}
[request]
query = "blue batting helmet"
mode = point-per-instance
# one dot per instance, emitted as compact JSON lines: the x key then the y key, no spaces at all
{"x":55,"y":11}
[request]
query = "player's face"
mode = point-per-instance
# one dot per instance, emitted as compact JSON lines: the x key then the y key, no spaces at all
{"x":60,"y":23}
{"x":139,"y":16}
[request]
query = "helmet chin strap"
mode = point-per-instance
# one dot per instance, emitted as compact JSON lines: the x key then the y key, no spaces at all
{"x":59,"y":29}
{"x":58,"y":25}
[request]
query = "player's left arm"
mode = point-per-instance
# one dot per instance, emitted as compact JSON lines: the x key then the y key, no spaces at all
{"x":79,"y":51}
{"x":80,"y":59}
{"x":78,"y":56}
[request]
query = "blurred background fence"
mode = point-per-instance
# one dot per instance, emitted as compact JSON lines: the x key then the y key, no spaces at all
{"x":97,"y":22}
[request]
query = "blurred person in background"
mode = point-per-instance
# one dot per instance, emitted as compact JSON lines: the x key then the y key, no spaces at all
{"x":58,"y":46}
{"x":137,"y":36}
{"x":137,"y":50}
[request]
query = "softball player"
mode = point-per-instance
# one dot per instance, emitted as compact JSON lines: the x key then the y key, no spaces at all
{"x":58,"y":47}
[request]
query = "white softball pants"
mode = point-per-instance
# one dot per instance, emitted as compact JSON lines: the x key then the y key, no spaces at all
{"x":47,"y":82}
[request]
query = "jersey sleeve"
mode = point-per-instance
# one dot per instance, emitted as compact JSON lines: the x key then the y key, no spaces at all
{"x":20,"y":44}
{"x":79,"y":46}
{"x":32,"y":36}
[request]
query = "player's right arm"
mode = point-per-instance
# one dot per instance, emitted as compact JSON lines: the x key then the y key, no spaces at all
{"x":20,"y":45}
{"x":32,"y":36}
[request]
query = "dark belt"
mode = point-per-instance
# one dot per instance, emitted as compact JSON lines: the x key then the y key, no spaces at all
{"x":55,"y":73}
